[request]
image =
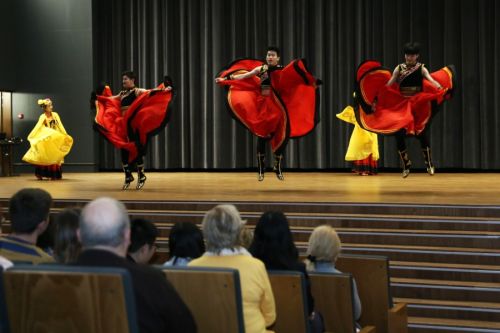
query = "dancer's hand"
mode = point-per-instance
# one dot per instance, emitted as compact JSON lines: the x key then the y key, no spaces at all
{"x":219,"y":79}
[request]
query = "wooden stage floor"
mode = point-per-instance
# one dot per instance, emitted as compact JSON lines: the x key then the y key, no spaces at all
{"x":418,"y":188}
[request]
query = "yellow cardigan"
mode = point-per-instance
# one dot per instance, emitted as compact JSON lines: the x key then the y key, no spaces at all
{"x":362,"y":143}
{"x":48,"y":145}
{"x":258,"y":299}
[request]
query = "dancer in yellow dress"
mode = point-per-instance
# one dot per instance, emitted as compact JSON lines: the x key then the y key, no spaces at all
{"x":363,"y":146}
{"x":49,"y":143}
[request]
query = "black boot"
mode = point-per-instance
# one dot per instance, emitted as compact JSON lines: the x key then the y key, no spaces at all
{"x":428,"y":160}
{"x":405,"y":162}
{"x":141,"y":177}
{"x":261,"y":166}
{"x":128,"y":176}
{"x":278,"y":165}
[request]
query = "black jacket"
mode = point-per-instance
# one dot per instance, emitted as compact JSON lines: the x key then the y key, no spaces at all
{"x":159,"y":307}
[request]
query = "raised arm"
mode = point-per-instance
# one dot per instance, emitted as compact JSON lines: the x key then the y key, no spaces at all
{"x":242,"y":76}
{"x":393,"y":78}
{"x":425,"y":74}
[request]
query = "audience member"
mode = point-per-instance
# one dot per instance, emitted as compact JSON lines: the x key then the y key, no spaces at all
{"x":273,"y":244}
{"x":221,"y":228}
{"x":67,"y":247}
{"x":29,"y":215}
{"x":185,"y":243}
{"x":143,"y":235}
{"x":246,"y":237}
{"x":322,"y":253}
{"x":105,"y":236}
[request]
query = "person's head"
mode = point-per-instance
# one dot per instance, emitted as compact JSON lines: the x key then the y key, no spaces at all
{"x":67,"y":247}
{"x":412,"y":52}
{"x":29,"y":211}
{"x":246,"y":237}
{"x":143,"y":235}
{"x":273,"y":242}
{"x":45,"y":104}
{"x":128,"y":79}
{"x":185,"y":241}
{"x":272,"y":56}
{"x":324,"y":245}
{"x":104,"y":224}
{"x":45,"y":240}
{"x":221,"y":228}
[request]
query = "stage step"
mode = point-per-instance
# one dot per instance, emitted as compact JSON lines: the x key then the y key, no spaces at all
{"x":482,"y":311}
{"x":439,"y":325}
{"x":446,"y":271}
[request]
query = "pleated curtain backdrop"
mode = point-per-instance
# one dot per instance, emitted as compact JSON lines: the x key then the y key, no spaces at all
{"x":191,"y":40}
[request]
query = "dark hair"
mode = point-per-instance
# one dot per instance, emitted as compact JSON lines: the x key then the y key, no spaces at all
{"x":275,"y":49}
{"x":142,"y":232}
{"x":67,"y":247}
{"x":28,"y":208}
{"x":273,"y":242}
{"x":130,"y":75}
{"x":412,"y":48}
{"x":185,"y":241}
{"x":45,"y":240}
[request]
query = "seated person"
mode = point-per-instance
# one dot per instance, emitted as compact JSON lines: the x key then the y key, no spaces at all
{"x":221,"y":228}
{"x":142,"y":246}
{"x":29,"y":217}
{"x":105,"y":236}
{"x":185,"y":243}
{"x":273,"y":244}
{"x":67,"y":247}
{"x":322,"y":253}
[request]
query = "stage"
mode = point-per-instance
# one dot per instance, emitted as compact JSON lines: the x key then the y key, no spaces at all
{"x":418,"y":188}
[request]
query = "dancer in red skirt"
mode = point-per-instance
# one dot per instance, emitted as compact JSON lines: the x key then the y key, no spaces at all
{"x":129,"y":119}
{"x":403,"y":102}
{"x":273,"y":102}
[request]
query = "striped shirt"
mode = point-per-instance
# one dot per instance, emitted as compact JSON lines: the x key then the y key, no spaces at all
{"x":18,"y":250}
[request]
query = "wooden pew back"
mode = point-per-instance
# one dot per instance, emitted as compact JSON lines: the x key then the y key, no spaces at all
{"x":213,"y":295}
{"x":372,"y":279}
{"x":291,"y":304}
{"x":62,"y":299}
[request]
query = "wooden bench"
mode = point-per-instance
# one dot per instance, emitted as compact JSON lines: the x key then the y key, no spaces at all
{"x":67,"y":299}
{"x":372,"y":279}
{"x":212,"y":294}
{"x":289,"y":289}
{"x":334,"y":298}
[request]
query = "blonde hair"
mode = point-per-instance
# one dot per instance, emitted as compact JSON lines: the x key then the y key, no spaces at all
{"x":221,"y":228}
{"x":44,"y":102}
{"x":245,"y":238}
{"x":324,"y":245}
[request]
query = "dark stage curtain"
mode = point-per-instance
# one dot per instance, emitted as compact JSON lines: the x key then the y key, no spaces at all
{"x":191,"y":40}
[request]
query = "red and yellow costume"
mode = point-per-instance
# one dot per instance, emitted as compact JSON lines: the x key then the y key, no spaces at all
{"x":278,"y":104}
{"x":129,"y":126}
{"x":387,"y":110}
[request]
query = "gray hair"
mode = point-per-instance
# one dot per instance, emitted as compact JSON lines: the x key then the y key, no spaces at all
{"x":103,"y":222}
{"x":221,"y":227}
{"x":324,"y":245}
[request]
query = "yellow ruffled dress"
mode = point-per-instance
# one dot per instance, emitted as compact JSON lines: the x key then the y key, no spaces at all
{"x":49,"y":144}
{"x":363,"y":145}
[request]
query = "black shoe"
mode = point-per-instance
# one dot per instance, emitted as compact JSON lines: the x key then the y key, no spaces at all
{"x":128,"y":179}
{"x":428,"y":161}
{"x":261,"y":166}
{"x":141,"y":181}
{"x":405,"y":162}
{"x":278,"y":164}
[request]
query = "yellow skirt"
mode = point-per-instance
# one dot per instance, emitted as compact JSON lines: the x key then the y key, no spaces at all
{"x":362,"y":143}
{"x":48,"y":147}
